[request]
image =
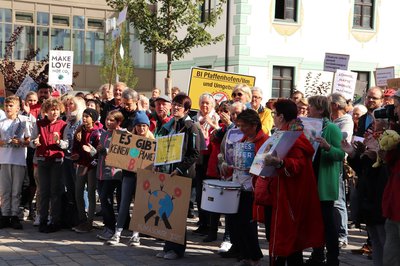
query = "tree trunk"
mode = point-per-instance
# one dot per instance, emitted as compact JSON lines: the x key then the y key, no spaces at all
{"x":168,"y":79}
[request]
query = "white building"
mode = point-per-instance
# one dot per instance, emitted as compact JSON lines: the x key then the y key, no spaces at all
{"x":274,"y":40}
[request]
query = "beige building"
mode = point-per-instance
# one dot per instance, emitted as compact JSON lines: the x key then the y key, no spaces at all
{"x":76,"y":25}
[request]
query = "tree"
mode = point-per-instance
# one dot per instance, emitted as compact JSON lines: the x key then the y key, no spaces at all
{"x":123,"y":66}
{"x":158,"y":31}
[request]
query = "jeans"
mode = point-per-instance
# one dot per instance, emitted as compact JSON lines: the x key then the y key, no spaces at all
{"x":106,"y":190}
{"x":90,"y":179}
{"x":391,"y":249}
{"x":50,"y":190}
{"x":69,"y":177}
{"x":128,"y":189}
{"x":377,"y":235}
{"x":11,"y":180}
{"x":341,"y":212}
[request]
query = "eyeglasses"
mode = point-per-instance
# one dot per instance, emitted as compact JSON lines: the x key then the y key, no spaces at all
{"x":237,"y":94}
{"x":256,"y":97}
{"x":177,"y":105}
{"x":373,"y":98}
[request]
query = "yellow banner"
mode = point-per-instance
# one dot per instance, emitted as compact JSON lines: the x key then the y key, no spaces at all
{"x":218,"y":83}
{"x":169,"y":149}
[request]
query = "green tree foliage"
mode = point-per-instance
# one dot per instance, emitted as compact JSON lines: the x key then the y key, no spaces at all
{"x":158,"y":31}
{"x":124,"y":67}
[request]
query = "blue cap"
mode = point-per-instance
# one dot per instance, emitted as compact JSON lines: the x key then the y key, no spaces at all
{"x":141,"y":118}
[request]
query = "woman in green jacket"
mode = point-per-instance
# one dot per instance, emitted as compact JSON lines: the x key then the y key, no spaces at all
{"x":327,"y":167}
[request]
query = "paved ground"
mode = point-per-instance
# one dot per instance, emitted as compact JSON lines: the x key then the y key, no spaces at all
{"x":28,"y":247}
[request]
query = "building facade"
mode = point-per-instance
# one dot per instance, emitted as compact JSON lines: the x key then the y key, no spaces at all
{"x":75,"y":25}
{"x":274,"y":40}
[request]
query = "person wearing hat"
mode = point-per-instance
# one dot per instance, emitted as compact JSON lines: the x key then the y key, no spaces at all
{"x":161,"y":115}
{"x":140,"y":125}
{"x":86,"y":137}
{"x":388,"y":96}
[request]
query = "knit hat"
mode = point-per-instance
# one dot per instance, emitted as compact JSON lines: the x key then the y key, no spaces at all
{"x":92,"y":113}
{"x":141,"y":118}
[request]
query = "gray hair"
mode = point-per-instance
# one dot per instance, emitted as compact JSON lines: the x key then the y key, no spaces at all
{"x":237,"y":104}
{"x":257,"y":89}
{"x":207,"y":95}
{"x":361,"y":107}
{"x":338,"y":99}
{"x":129,"y":93}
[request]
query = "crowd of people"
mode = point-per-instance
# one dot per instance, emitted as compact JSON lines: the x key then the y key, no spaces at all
{"x":53,"y":150}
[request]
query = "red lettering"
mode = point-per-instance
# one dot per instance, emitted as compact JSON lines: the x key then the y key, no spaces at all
{"x":131,"y":164}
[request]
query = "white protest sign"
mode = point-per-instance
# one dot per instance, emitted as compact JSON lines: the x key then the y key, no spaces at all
{"x":333,"y":62}
{"x":314,"y":82}
{"x":122,"y":16}
{"x":345,"y":83}
{"x":383,"y":74}
{"x":61,"y":67}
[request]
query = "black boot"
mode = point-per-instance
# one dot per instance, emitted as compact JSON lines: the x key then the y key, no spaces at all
{"x":15,"y":223}
{"x":4,"y":221}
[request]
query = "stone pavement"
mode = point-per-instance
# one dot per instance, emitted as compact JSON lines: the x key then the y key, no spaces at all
{"x":29,"y":247}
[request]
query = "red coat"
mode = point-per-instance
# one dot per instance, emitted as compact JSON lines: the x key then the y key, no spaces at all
{"x":391,"y":195}
{"x":296,"y":212}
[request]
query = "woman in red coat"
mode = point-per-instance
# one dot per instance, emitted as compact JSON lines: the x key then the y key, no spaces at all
{"x":296,"y":221}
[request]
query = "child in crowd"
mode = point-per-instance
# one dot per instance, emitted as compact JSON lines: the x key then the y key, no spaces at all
{"x":141,"y":125}
{"x":88,"y":133}
{"x":46,"y":138}
{"x":108,"y":177}
{"x":15,"y":135}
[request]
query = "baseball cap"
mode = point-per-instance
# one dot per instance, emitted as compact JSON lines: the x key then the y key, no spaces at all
{"x":164,"y":98}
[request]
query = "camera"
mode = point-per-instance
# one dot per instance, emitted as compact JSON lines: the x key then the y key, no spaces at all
{"x":386,"y":112}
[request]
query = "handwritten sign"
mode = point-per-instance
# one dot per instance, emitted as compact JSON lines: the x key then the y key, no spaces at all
{"x":130,"y":152}
{"x":334,"y":62}
{"x":218,"y":83}
{"x":169,"y":149}
{"x":345,"y":83}
{"x":61,"y":67}
{"x":161,"y":204}
{"x":383,"y":74}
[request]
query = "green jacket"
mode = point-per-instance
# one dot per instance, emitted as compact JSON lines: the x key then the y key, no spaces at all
{"x":330,"y":166}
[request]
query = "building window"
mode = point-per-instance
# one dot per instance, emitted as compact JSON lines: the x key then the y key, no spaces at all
{"x":286,"y":10}
{"x":23,"y":17}
{"x":94,"y":48}
{"x":282,"y":82}
{"x":95,"y":24}
{"x":205,"y":10}
{"x":42,"y":42}
{"x":5,"y":15}
{"x":363,"y":14}
{"x":79,"y":22}
{"x":5,"y":29}
{"x":61,"y":37}
{"x":60,"y":21}
{"x":141,"y":58}
{"x":42,"y":19}
{"x":25,"y":43}
{"x":363,"y":76}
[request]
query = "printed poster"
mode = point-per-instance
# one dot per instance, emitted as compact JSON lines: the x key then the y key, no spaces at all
{"x":130,"y":152}
{"x":26,"y":86}
{"x":243,"y":155}
{"x":312,"y":129}
{"x":161,"y":205}
{"x":61,"y":67}
{"x":233,"y":135}
{"x":382,"y":75}
{"x":169,"y":149}
{"x":278,"y":145}
{"x":333,"y":62}
{"x":315,"y":82}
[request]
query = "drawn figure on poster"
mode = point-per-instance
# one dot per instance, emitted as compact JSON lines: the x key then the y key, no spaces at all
{"x":160,"y":203}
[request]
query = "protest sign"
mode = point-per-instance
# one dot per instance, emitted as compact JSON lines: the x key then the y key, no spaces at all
{"x":345,"y":83}
{"x":122,"y":16}
{"x":333,"y":62}
{"x":26,"y":86}
{"x":312,"y":129}
{"x":2,"y":91}
{"x":161,"y":205}
{"x":278,"y":145}
{"x":61,"y":67}
{"x":233,"y":136}
{"x":383,"y":74}
{"x":218,"y":83}
{"x":243,"y":155}
{"x":313,"y":82}
{"x":130,"y":152}
{"x":169,"y":149}
{"x":393,"y":83}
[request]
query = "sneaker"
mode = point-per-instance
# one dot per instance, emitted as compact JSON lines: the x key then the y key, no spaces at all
{"x":85,"y":227}
{"x":134,"y":241}
{"x":342,"y":244}
{"x":113,"y":240}
{"x":171,"y":255}
{"x":107,"y":234}
{"x":225,"y":246}
{"x":161,"y":254}
{"x":15,"y":223}
{"x":37,"y":220}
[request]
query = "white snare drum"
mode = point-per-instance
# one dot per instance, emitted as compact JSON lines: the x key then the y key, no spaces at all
{"x":220,"y":196}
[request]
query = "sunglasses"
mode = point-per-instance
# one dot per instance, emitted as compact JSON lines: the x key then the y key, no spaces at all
{"x":237,"y":94}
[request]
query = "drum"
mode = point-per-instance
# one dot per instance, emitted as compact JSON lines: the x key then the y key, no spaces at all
{"x":220,"y":196}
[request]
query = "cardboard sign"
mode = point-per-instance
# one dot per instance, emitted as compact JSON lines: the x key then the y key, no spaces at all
{"x":333,"y":62}
{"x":278,"y":145}
{"x":393,"y":83}
{"x":383,"y":74}
{"x":61,"y":67}
{"x":26,"y":86}
{"x":315,"y":82}
{"x":169,"y":149}
{"x":130,"y":152}
{"x":345,"y":83}
{"x":161,"y":205}
{"x":218,"y":83}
